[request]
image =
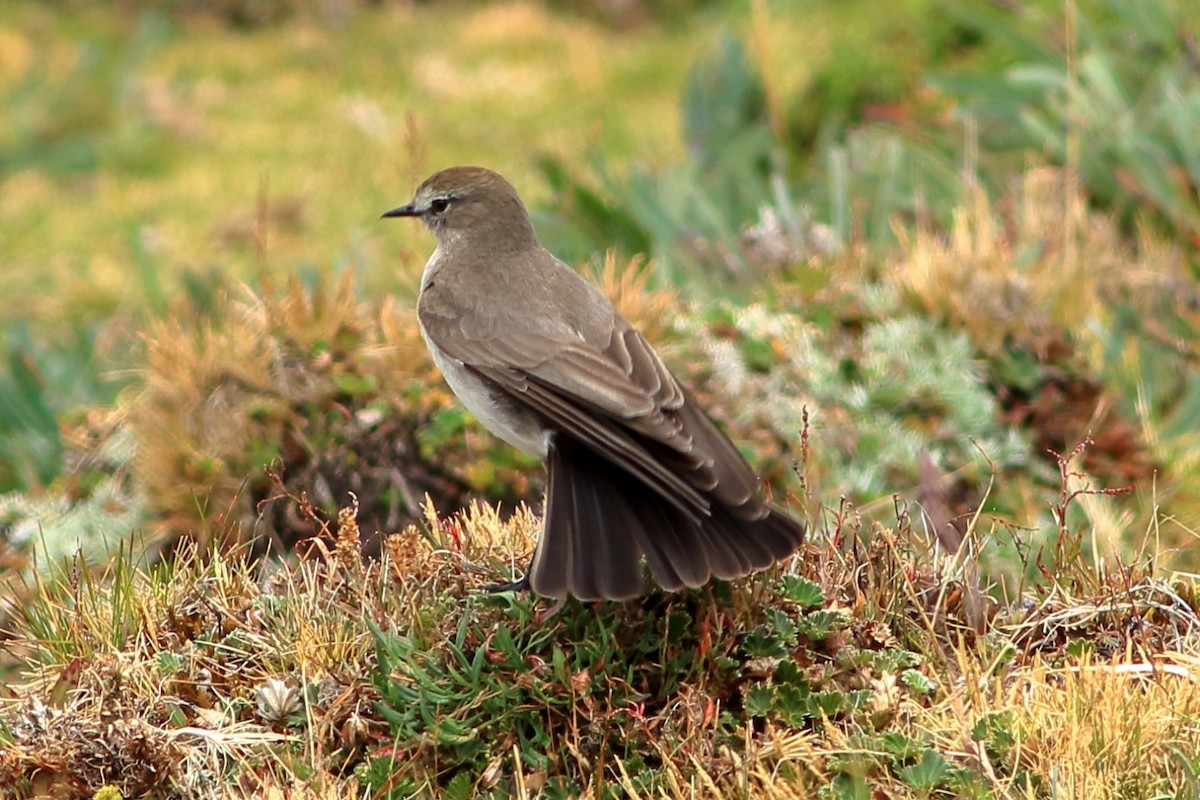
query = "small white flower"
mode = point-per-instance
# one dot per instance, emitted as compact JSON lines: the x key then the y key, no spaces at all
{"x":276,"y":701}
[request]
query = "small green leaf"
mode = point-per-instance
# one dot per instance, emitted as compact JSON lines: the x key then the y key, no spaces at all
{"x":460,"y":787}
{"x":793,"y":705}
{"x":760,"y":700}
{"x":355,"y":385}
{"x":783,"y":626}
{"x":679,"y":624}
{"x":900,"y":746}
{"x":758,"y":354}
{"x":917,"y":681}
{"x":895,"y":660}
{"x":789,"y":672}
{"x":995,"y":731}
{"x":1078,"y":648}
{"x":928,"y":773}
{"x":763,"y":643}
{"x":444,"y":426}
{"x":802,"y":591}
{"x":829,"y":704}
{"x":820,"y":625}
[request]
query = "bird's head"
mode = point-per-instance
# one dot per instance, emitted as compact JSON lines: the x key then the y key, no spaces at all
{"x":470,"y":204}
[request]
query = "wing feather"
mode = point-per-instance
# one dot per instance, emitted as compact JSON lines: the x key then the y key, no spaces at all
{"x":615,"y":394}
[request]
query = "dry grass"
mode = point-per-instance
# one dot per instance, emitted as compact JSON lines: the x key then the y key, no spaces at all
{"x":334,"y":394}
{"x":1107,"y":730}
{"x":163,"y":680}
{"x":1034,"y":264}
{"x":1085,"y":330}
{"x":213,"y":678}
{"x":290,"y":376}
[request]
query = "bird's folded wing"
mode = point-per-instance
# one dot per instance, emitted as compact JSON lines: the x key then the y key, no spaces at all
{"x":656,"y":466}
{"x":624,"y":379}
{"x":620,"y":399}
{"x":673,"y":427}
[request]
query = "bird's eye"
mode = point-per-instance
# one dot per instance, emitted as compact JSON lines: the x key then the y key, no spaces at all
{"x":438,"y":205}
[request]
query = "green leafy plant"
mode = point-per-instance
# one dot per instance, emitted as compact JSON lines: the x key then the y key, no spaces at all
{"x":687,"y":218}
{"x":458,"y":705}
{"x":41,"y":380}
{"x":873,"y":398}
{"x":1118,"y":102}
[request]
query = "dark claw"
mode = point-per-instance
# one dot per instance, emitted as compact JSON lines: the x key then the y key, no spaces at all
{"x":519,"y":585}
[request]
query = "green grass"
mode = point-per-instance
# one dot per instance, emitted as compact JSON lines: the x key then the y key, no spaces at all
{"x":181,"y":142}
{"x":835,"y":675}
{"x":180,"y":129}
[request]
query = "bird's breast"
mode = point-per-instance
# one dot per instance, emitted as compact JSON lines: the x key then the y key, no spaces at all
{"x":495,"y":410}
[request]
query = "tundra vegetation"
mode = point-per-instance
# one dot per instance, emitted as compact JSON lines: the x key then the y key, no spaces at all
{"x":932,"y":263}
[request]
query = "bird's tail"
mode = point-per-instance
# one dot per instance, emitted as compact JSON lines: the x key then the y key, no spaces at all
{"x":600,"y":522}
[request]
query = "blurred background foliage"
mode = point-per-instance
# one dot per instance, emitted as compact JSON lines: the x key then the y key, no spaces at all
{"x":900,"y":248}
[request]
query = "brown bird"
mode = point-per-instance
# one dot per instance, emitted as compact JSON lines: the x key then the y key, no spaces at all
{"x":547,"y":363}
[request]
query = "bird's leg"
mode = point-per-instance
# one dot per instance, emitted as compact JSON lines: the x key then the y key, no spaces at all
{"x":521,"y":584}
{"x":552,"y":611}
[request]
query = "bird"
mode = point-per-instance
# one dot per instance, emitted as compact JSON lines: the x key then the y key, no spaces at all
{"x":637,"y":469}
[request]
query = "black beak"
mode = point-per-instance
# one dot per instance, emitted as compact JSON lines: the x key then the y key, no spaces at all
{"x":403,"y":211}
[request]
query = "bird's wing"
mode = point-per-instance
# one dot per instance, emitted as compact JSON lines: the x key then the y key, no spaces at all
{"x":620,"y":400}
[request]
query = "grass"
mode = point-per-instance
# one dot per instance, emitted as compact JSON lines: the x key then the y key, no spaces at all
{"x":839,"y":674}
{"x":194,"y":131}
{"x":169,"y":142}
{"x":971,"y":617}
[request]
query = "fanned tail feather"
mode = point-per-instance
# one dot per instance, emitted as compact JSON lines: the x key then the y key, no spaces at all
{"x":600,"y":521}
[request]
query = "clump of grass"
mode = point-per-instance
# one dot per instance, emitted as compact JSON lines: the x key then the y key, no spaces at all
{"x":156,"y":670}
{"x":1110,"y":94}
{"x":335,"y":395}
{"x":340,"y":395}
{"x":1083,"y":332}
